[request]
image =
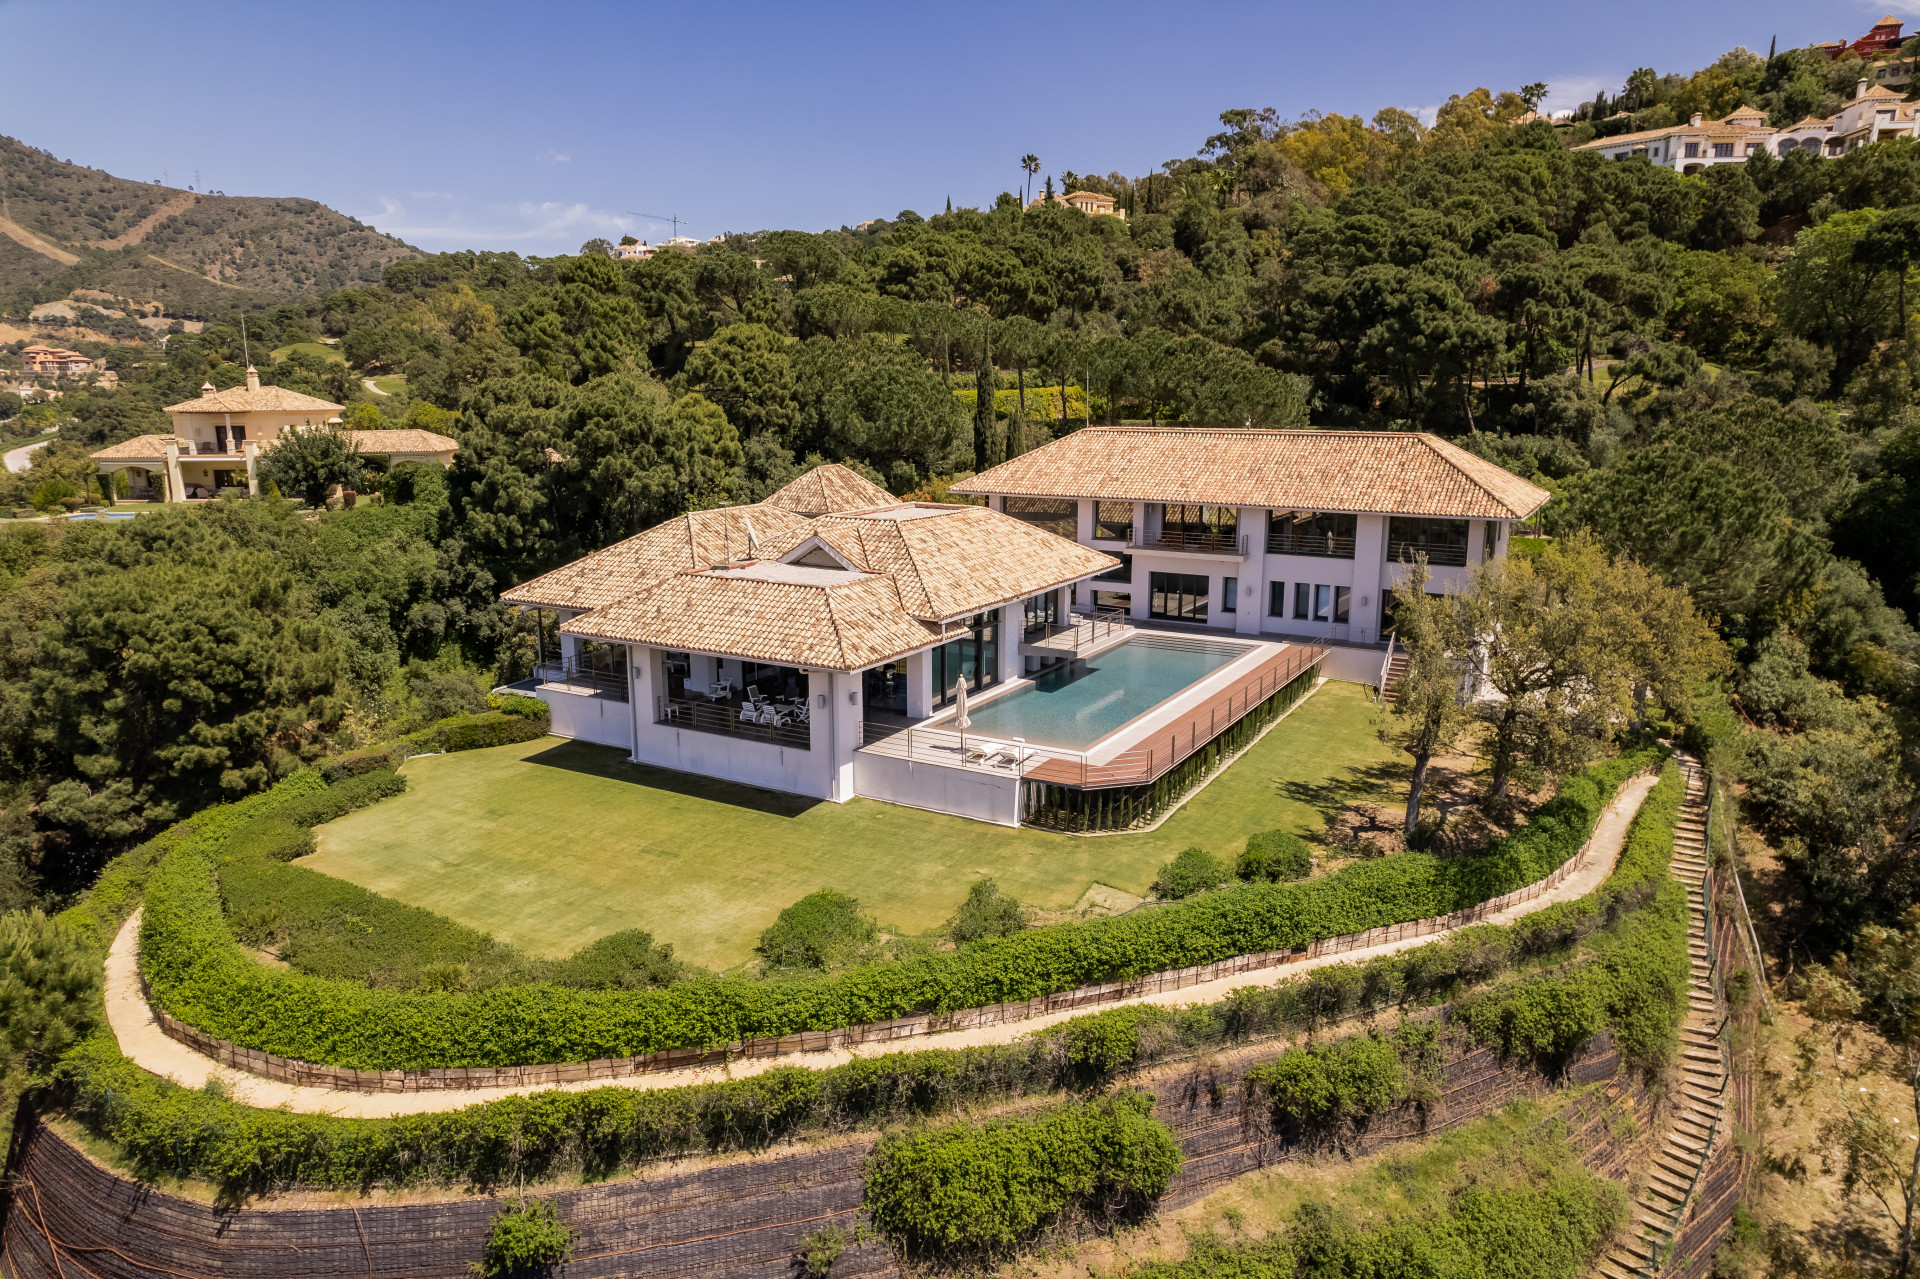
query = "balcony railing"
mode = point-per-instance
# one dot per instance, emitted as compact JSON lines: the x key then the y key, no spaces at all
{"x":1325,"y":545}
{"x":596,"y":673}
{"x":1438,"y":556}
{"x":1196,"y":541}
{"x":773,"y":723}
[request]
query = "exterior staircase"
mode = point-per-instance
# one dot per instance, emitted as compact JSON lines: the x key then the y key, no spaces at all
{"x":1699,"y":1118}
{"x":1395,"y":669}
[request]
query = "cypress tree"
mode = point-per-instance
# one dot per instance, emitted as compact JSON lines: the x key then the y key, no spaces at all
{"x":984,"y":384}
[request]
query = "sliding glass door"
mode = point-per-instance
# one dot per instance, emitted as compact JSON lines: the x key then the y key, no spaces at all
{"x":1177,"y":597}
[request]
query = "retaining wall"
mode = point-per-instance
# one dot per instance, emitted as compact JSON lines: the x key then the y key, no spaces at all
{"x":69,"y":1217}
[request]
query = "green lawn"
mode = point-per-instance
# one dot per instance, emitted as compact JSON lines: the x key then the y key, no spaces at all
{"x":549,"y":844}
{"x":392,"y":383}
{"x":318,"y":349}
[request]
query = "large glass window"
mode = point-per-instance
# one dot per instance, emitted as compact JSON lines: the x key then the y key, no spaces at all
{"x":1113,"y":520}
{"x":1199,"y":528}
{"x":973,"y":656}
{"x":1055,"y":514}
{"x":1042,"y":611}
{"x":885,"y":688}
{"x":1229,"y":595}
{"x":1178,"y":597}
{"x":1302,"y":601}
{"x":1444,"y":542}
{"x":1121,"y":572}
{"x":1311,"y":533}
{"x":773,"y":681}
{"x":1276,"y":599}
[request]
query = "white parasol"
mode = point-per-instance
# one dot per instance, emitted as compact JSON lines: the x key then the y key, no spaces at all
{"x":960,"y":720}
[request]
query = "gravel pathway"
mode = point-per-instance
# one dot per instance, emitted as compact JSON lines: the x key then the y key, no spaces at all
{"x":142,"y":1040}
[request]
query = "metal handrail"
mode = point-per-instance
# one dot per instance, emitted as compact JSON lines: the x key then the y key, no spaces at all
{"x":723,"y":718}
{"x":1222,"y":543}
{"x":1386,"y":664}
{"x":601,"y":677}
{"x":1139,"y":766}
{"x":1437,"y":556}
{"x":1327,"y":546}
{"x":1716,"y":811}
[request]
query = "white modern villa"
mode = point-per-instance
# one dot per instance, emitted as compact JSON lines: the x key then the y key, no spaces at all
{"x":218,"y":438}
{"x":1126,"y":600}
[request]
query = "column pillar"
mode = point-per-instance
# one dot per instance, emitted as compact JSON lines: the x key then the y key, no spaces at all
{"x":1083,"y":525}
{"x":176,"y":489}
{"x":253,"y":459}
{"x":1012,"y":622}
{"x":1252,"y":601}
{"x":920,"y":684}
{"x":701,"y":671}
{"x":1371,"y":576}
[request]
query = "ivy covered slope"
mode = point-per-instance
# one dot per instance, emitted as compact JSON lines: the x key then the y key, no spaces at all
{"x":200,"y":974}
{"x":188,"y":1132}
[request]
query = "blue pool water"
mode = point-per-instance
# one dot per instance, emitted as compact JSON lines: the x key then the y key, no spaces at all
{"x":103,"y":515}
{"x":1075,"y":705}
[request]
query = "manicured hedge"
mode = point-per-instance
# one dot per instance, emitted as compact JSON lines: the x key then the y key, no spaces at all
{"x":188,"y":1132}
{"x":969,"y":1190}
{"x":473,"y":732}
{"x":201,"y":976}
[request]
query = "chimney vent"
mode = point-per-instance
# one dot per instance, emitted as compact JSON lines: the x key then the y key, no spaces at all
{"x":1694,"y":120}
{"x":206,"y":388}
{"x":1860,"y":89}
{"x":253,"y":378}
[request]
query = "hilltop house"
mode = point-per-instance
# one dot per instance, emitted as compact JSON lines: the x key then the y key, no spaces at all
{"x":1127,"y":598}
{"x":1882,"y":38}
{"x":1091,"y":203}
{"x":218,"y":438}
{"x":1693,"y":146}
{"x":55,"y":360}
{"x":1875,"y":114}
{"x":1253,"y":532}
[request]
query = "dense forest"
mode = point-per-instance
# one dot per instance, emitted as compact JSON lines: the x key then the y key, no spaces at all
{"x":1712,"y":373}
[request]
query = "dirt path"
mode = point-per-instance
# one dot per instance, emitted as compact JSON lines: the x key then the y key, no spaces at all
{"x":28,"y":240}
{"x":368,"y":383}
{"x":20,"y":459}
{"x":139,"y":230}
{"x":142,"y":1039}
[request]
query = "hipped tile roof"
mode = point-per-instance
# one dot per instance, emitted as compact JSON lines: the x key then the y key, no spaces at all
{"x":141,"y":448}
{"x":267,"y":399}
{"x":404,"y":440}
{"x":688,"y":584}
{"x":829,"y":488}
{"x":1363,"y":472}
{"x":845,"y":626}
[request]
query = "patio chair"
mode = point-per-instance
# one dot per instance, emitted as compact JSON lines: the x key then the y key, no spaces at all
{"x":753,"y":695}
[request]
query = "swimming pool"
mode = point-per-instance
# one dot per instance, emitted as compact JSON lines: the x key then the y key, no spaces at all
{"x":103,"y":515}
{"x":1075,"y":705}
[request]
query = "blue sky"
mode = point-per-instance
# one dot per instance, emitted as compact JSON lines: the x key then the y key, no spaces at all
{"x":535,"y":126}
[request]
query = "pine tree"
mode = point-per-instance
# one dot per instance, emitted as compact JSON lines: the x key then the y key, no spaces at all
{"x":984,"y":383}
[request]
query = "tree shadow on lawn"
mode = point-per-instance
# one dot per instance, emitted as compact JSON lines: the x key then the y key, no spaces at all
{"x":612,"y":763}
{"x":1334,"y":796}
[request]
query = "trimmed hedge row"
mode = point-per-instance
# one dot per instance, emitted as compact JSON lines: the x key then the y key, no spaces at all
{"x":165,"y":1128}
{"x":200,"y":975}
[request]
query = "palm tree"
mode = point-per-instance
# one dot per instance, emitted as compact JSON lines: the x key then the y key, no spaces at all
{"x":1031,"y":163}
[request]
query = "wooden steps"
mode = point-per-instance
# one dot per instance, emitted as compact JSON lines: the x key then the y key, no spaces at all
{"x":1697,"y":1123}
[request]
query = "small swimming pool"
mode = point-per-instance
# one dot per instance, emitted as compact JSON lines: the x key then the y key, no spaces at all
{"x":103,"y":515}
{"x":1075,"y":705}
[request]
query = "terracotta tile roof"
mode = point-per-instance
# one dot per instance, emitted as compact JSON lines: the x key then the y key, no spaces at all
{"x":831,"y":487}
{"x":951,"y":561}
{"x":408,"y":440}
{"x":141,"y":448}
{"x":699,"y":539}
{"x":1365,"y":472}
{"x":267,"y":399}
{"x":853,"y":623}
{"x":1743,"y":120}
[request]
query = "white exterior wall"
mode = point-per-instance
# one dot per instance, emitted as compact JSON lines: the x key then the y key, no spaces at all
{"x":987,"y":797}
{"x":588,"y":717}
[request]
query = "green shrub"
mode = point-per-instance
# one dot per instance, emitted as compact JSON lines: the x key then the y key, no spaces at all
{"x":271,"y":838}
{"x":475,"y":732}
{"x":1275,"y":854}
{"x":1109,"y":1041}
{"x":199,"y":975}
{"x":1193,"y":870}
{"x":822,"y":930}
{"x":518,"y":704}
{"x":322,"y":806}
{"x":819,"y":1250}
{"x":1346,"y":1079}
{"x":527,"y":1238}
{"x":987,"y":912}
{"x":626,"y":960}
{"x":970,"y":1190}
{"x":386,"y":757}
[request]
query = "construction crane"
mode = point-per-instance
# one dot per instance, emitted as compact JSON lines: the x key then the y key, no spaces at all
{"x":659,"y":217}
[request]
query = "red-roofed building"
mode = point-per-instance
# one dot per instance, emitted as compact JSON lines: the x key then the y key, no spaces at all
{"x":1882,"y":39}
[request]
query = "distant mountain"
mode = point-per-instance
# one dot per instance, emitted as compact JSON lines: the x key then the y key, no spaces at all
{"x":65,"y":227}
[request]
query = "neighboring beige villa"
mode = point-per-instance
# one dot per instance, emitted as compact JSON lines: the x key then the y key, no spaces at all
{"x":218,"y":438}
{"x":1091,"y":203}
